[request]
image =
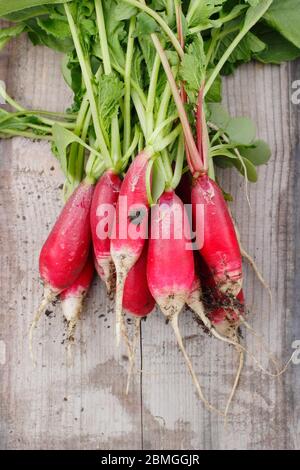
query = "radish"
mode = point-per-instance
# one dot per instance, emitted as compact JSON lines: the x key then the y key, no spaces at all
{"x":101,"y":216}
{"x":220,"y":249}
{"x":130,"y":228}
{"x":72,"y":297}
{"x":66,"y":249}
{"x":170,"y":267}
{"x":137,"y":298}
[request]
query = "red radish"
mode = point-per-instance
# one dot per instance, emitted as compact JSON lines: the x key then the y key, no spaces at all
{"x":137,"y":299}
{"x":130,"y":228}
{"x":220,"y":249}
{"x":72,"y":297}
{"x":101,"y":216}
{"x":170,"y":267}
{"x":66,"y":249}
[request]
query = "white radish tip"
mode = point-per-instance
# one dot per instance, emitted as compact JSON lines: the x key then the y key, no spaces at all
{"x":106,"y":269}
{"x":48,"y":295}
{"x":123,"y":261}
{"x":171,"y":304}
{"x":72,"y":308}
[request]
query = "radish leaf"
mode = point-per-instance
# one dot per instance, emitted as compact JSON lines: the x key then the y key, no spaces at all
{"x":241,"y":130}
{"x":258,"y":154}
{"x":284,"y":16}
{"x":12,"y":6}
{"x":218,"y":115}
{"x":6,"y":34}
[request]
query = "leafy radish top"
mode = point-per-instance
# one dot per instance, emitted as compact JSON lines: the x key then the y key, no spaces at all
{"x":122,"y":100}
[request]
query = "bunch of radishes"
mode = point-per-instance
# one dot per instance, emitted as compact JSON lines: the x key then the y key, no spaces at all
{"x":143,"y":79}
{"x":143,"y":270}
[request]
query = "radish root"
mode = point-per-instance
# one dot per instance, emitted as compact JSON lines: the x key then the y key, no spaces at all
{"x":174,"y":324}
{"x":137,"y":324}
{"x":198,"y":309}
{"x":261,"y":342}
{"x":70,"y":341}
{"x":252,"y":263}
{"x":236,"y":382}
{"x":48,"y":296}
{"x":256,"y":271}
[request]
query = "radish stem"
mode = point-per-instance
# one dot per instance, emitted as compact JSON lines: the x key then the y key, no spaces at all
{"x":127,"y":82}
{"x":194,"y":154}
{"x":87,"y":74}
{"x":160,"y":21}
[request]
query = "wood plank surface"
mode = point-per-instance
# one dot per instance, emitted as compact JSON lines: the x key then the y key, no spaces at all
{"x":54,"y":406}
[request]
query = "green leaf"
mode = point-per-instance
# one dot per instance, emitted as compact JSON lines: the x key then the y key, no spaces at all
{"x":192,"y":69}
{"x":148,"y":51}
{"x":145,"y":24}
{"x":200,"y":11}
{"x":136,"y":68}
{"x":253,"y":3}
{"x":241,"y":130}
{"x":62,"y":139}
{"x":111,"y":90}
{"x":124,"y":11}
{"x":6,"y":34}
{"x":115,"y":32}
{"x":23,"y":15}
{"x":11,"y":6}
{"x":284,"y":16}
{"x":254,"y":13}
{"x":244,"y":51}
{"x":57,"y":28}
{"x":215,"y":92}
{"x":39,"y":36}
{"x":250,"y":169}
{"x":258,"y":154}
{"x":218,"y":115}
{"x":278,"y":48}
{"x":223,"y":162}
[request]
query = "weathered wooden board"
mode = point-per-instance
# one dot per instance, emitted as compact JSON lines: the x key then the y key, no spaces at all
{"x":84,"y":406}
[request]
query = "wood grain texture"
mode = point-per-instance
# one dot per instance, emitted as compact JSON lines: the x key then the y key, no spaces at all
{"x":84,"y":406}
